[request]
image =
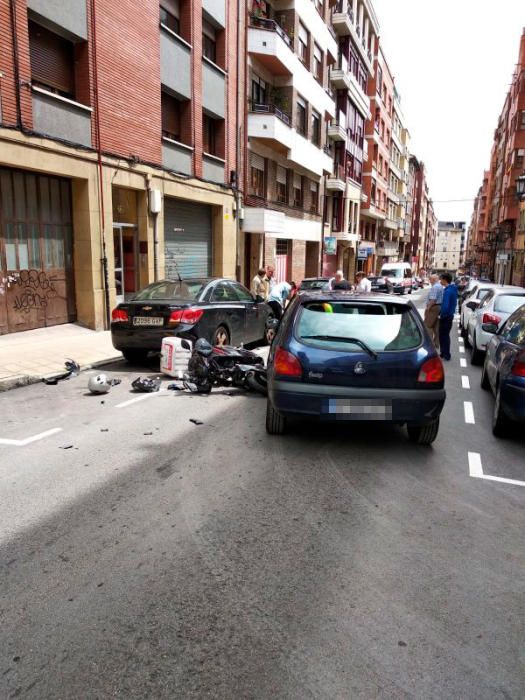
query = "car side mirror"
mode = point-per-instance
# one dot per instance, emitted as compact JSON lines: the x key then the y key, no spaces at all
{"x":489,"y":327}
{"x":472,"y":305}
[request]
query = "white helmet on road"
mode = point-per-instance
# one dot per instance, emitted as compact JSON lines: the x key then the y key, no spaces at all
{"x":99,"y":384}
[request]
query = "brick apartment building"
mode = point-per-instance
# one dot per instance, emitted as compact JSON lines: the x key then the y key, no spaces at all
{"x":497,"y":231}
{"x":102,"y":105}
{"x":289,"y":49}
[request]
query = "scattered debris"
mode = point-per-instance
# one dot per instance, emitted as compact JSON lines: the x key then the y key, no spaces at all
{"x":147,"y":384}
{"x":149,"y":433}
{"x":176,"y":386}
{"x":401,"y":643}
{"x":196,"y":421}
{"x":65,"y":447}
{"x":104,"y":430}
{"x":101,"y":384}
{"x":72,"y":370}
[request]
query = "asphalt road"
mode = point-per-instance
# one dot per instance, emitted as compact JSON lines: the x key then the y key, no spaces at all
{"x":144,"y":556}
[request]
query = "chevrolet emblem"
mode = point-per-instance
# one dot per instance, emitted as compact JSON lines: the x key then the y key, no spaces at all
{"x":147,"y":308}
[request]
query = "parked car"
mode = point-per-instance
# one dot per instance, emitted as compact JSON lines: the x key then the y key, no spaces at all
{"x":496,"y":307}
{"x":471,"y":303}
{"x":399,"y":275}
{"x":467,"y":291}
{"x":312,"y":283}
{"x":222,"y":311}
{"x":381,"y":284}
{"x":504,"y":372}
{"x":355,"y":358}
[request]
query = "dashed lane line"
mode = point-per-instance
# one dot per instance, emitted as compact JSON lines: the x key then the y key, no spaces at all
{"x":29,"y":440}
{"x":469,"y":412}
{"x":476,"y":471}
{"x":462,"y":362}
{"x":465,"y":382}
{"x":461,"y":348}
{"x":142,"y":397}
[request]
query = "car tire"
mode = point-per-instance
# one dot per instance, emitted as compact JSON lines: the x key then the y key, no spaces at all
{"x":467,"y":341}
{"x":476,"y":355}
{"x":275,"y":421}
{"x":135,"y":357}
{"x":221,"y":336}
{"x":485,"y":383}
{"x":501,"y":423}
{"x":423,"y":434}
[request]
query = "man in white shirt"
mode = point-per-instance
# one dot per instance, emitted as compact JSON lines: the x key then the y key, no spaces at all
{"x":364,"y":286}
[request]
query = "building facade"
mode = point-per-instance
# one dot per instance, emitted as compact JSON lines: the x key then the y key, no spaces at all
{"x":449,"y":249}
{"x":118,"y":152}
{"x":290,"y":47}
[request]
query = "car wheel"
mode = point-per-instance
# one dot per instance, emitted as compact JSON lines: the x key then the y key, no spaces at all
{"x":501,"y":423}
{"x":221,"y":336}
{"x":275,"y":421}
{"x":476,"y":355}
{"x":423,"y":434}
{"x":485,"y":384}
{"x":135,"y":356}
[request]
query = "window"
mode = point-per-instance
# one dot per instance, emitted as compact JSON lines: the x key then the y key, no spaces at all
{"x":297,"y":190}
{"x":52,"y":61}
{"x":520,"y":153}
{"x":282,"y":188}
{"x":319,"y":6}
{"x":316,"y":128}
{"x":224,"y":291}
{"x":258,"y":90}
{"x":301,"y":116}
{"x":169,"y":15}
{"x":242,"y":293}
{"x":257,"y":178}
{"x":209,"y":41}
{"x":522,"y":120}
{"x":171,"y":117}
{"x":318,"y":63}
{"x":379,"y":80}
{"x":314,"y":197}
{"x":302,"y":44}
{"x":209,"y":134}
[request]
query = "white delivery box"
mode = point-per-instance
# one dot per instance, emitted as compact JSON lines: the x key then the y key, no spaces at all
{"x":174,"y":358}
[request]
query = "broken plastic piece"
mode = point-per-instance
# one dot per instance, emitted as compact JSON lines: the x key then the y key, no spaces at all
{"x":196,"y":421}
{"x":72,"y":367}
{"x":146,"y":384}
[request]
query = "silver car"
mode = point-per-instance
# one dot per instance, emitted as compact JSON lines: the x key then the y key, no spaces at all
{"x":494,"y":310}
{"x":472,"y":302}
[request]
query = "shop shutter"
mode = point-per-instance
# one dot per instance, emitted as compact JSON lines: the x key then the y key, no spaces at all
{"x":52,"y":60}
{"x":281,"y":175}
{"x":187,"y":239}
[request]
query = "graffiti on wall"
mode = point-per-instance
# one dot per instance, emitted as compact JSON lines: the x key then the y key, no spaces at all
{"x":33,"y":289}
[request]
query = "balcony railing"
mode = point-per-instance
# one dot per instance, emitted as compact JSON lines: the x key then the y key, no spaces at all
{"x":328,"y":150}
{"x":262,"y":108}
{"x":271,"y":25}
{"x":342,"y":7}
{"x":339,"y":172}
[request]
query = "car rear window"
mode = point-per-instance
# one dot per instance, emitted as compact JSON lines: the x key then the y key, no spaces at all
{"x":482,"y":293}
{"x":171,"y":290}
{"x":337,"y":325}
{"x":391,"y":272}
{"x":508,"y":303}
{"x":314,"y":284}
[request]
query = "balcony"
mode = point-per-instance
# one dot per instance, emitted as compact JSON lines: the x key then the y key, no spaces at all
{"x":60,"y":117}
{"x":390,"y":224}
{"x":269,"y":123}
{"x":213,"y":89}
{"x":342,"y":79}
{"x":177,"y":156}
{"x":343,"y":18}
{"x":337,"y":128}
{"x":175,"y":59}
{"x":271,"y":44}
{"x":71,"y":15}
{"x":213,"y":168}
{"x":337,"y":181}
{"x":387,"y":248}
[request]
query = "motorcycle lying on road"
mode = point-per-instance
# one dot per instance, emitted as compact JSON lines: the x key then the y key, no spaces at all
{"x":224,"y":366}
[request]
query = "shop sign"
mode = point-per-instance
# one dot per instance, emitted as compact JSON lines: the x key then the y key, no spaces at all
{"x":330,"y":245}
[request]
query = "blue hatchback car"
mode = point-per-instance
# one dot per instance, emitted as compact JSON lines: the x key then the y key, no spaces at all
{"x":340,"y":356}
{"x":504,"y":372}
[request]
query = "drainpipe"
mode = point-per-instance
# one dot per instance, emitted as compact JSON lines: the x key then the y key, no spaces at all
{"x":16,"y":65}
{"x":104,"y":259}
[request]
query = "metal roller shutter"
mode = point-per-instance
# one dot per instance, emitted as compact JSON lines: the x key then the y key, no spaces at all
{"x":187,"y":238}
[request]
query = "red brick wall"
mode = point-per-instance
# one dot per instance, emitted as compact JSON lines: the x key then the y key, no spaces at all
{"x":7,"y":83}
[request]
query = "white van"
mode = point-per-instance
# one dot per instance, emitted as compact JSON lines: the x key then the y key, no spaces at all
{"x":400,"y":275}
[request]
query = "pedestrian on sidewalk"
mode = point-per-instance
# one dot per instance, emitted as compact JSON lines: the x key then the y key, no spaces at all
{"x":433,"y":308}
{"x":278,"y":297}
{"x":364,"y":286}
{"x":259,"y":285}
{"x":448,"y":309}
{"x":269,"y":281}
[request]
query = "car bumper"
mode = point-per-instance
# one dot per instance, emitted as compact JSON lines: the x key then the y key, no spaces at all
{"x":147,"y":338}
{"x":335,"y":403}
{"x":513,"y":400}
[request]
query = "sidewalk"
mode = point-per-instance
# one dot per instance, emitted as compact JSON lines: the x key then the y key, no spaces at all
{"x":29,"y":356}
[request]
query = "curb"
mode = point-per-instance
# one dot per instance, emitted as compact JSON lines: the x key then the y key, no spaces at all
{"x":20,"y":380}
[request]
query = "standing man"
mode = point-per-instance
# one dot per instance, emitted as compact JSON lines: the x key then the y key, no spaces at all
{"x":339,"y":282}
{"x":269,"y":281}
{"x":448,"y":309}
{"x":364,"y":286}
{"x":258,"y":284}
{"x":278,"y":296}
{"x":433,"y":308}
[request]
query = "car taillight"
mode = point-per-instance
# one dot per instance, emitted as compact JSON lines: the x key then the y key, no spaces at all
{"x":491,"y":318}
{"x":119,"y":316}
{"x":518,"y":368}
{"x":286,"y":365}
{"x":431,"y":372}
{"x":189,"y":316}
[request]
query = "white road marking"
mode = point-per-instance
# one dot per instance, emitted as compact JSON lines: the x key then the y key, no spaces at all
{"x":460,"y":340}
{"x":461,"y":348}
{"x":465,"y":382}
{"x":469,"y":412}
{"x":29,"y":440}
{"x":142,"y":397}
{"x":462,"y":362}
{"x":476,"y":471}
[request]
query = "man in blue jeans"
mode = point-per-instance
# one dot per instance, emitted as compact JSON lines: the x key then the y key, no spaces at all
{"x":448,"y":309}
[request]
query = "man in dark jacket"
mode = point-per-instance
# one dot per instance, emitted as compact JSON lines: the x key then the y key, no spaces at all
{"x":446,"y":317}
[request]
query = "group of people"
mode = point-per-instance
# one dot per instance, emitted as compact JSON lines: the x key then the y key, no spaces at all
{"x":276,"y":294}
{"x":439,"y":312}
{"x":362,"y":284}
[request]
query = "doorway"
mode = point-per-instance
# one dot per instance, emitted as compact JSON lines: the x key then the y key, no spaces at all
{"x":283,"y":260}
{"x":126,"y":261}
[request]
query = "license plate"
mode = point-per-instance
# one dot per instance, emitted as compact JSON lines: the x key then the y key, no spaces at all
{"x":148,"y":321}
{"x":358,"y":409}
